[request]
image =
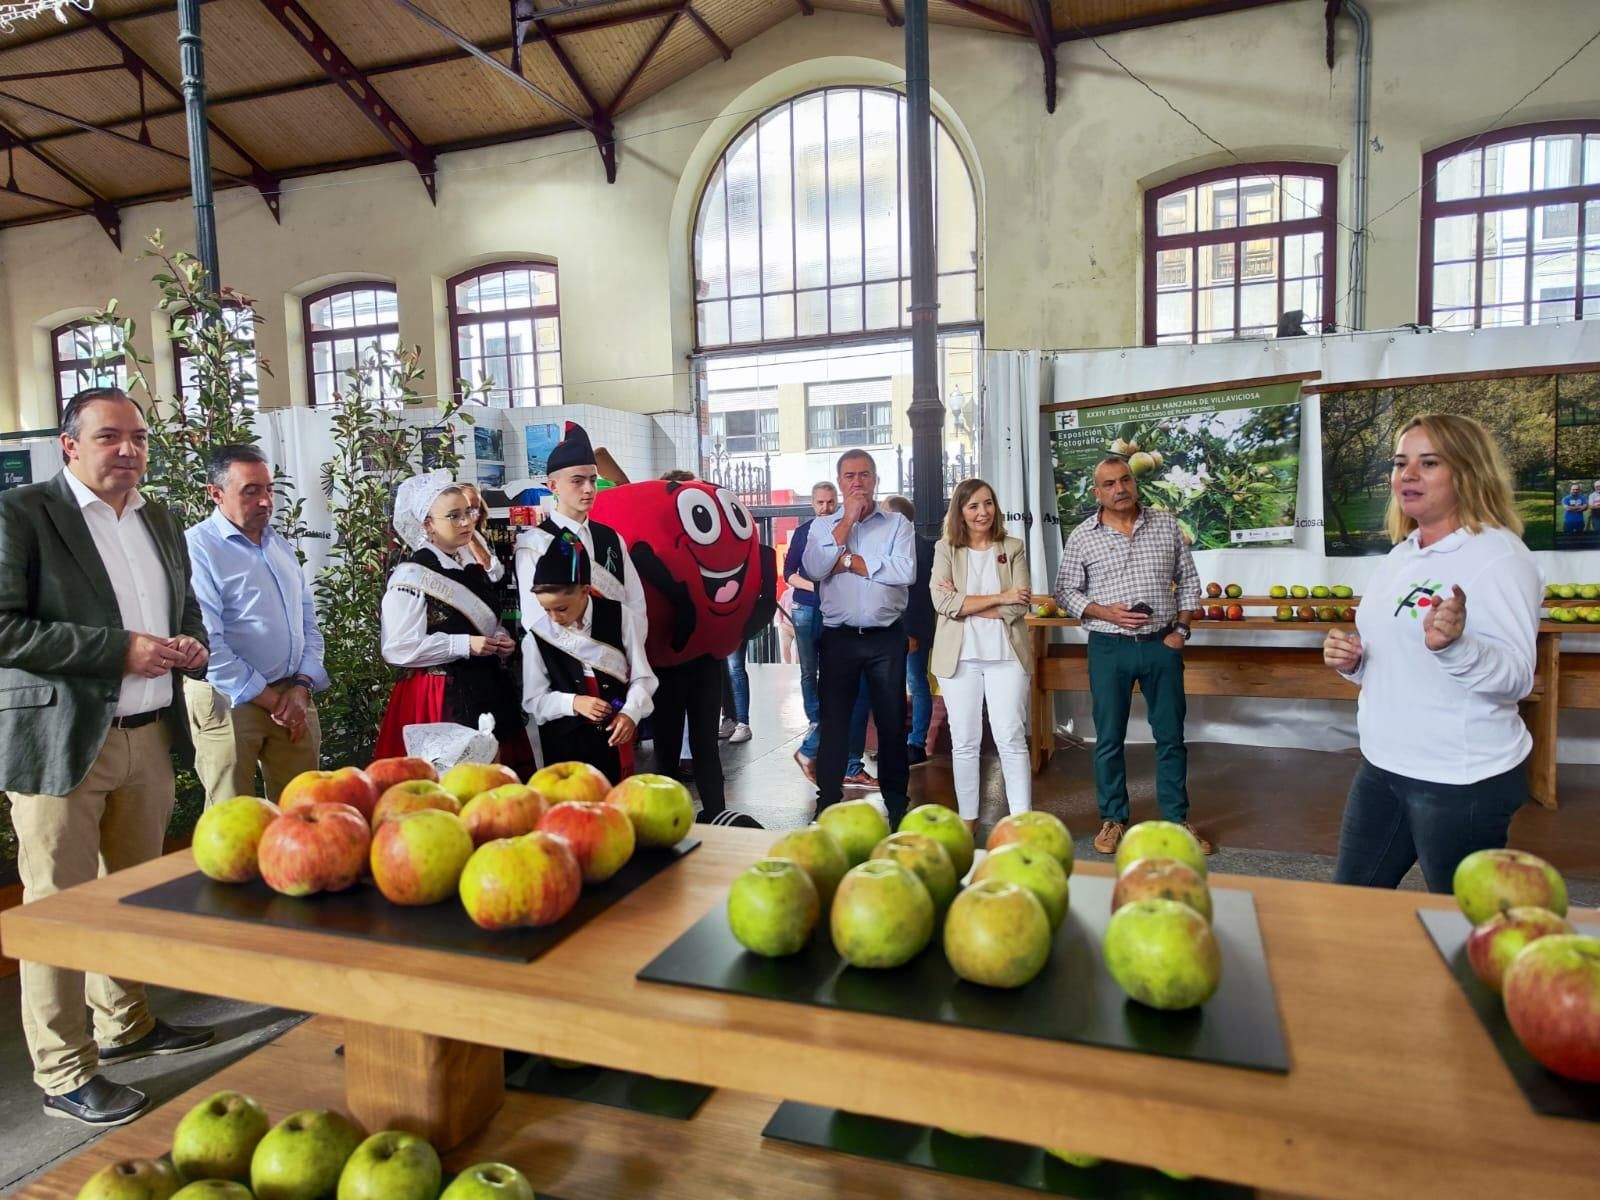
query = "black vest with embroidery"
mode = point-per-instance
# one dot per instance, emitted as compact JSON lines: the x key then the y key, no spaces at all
{"x":473,"y":685}
{"x":576,"y":738}
{"x":607,"y":546}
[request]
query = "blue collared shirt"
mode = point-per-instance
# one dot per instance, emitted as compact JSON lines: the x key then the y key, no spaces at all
{"x":886,"y":544}
{"x":258,"y":610}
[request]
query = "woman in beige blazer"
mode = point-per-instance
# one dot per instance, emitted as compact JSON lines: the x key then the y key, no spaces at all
{"x":981,"y":590}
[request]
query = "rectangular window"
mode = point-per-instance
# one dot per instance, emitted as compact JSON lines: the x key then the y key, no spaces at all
{"x":747,"y":431}
{"x":858,"y":412}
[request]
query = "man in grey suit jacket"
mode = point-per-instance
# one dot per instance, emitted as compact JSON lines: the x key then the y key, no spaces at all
{"x":96,"y":614}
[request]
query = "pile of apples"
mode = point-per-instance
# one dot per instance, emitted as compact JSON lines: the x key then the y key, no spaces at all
{"x":1320,"y":612}
{"x":225,"y":1148}
{"x":1572,"y":591}
{"x":1521,"y":946}
{"x":1568,"y":616}
{"x":516,"y":854}
{"x":1158,"y":945}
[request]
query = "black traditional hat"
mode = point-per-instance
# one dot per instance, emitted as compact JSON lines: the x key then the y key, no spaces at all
{"x":564,"y":563}
{"x":573,"y":450}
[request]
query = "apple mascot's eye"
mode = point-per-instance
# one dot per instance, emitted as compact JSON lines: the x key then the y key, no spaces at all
{"x":700,"y":518}
{"x":740,"y":523}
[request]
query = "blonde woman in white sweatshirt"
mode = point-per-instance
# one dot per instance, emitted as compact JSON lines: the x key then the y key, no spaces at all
{"x":1443,"y":650}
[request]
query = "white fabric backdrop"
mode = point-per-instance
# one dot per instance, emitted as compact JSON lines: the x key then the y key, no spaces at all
{"x":1008,"y":450}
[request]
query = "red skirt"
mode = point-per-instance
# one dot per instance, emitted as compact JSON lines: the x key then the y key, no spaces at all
{"x":418,"y":699}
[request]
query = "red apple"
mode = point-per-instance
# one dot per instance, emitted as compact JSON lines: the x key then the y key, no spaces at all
{"x":227,"y":838}
{"x":1306,"y":613}
{"x":510,"y":810}
{"x":600,"y":834}
{"x":417,"y":857}
{"x":658,"y":806}
{"x":1162,"y":879}
{"x":386,"y":772}
{"x":570,"y":781}
{"x":1213,"y":590}
{"x":347,"y":785}
{"x":413,"y":795}
{"x":530,"y":880}
{"x":1235,"y":612}
{"x":314,"y":848}
{"x":1552,"y":997}
{"x":466,"y":780}
{"x":1491,"y":881}
{"x":1216,"y":613}
{"x":1494,"y":945}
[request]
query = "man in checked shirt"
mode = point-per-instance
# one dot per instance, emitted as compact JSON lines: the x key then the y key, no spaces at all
{"x":1127,"y":573}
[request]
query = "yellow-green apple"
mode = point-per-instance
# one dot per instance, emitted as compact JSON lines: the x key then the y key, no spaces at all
{"x":133,"y":1179}
{"x":1343,"y":591}
{"x":386,"y":772}
{"x":216,"y":1137}
{"x":1492,"y":946}
{"x":773,"y":907}
{"x":997,"y":934}
{"x":392,"y":1165}
{"x":347,"y":785}
{"x":927,"y":860}
{"x":857,"y":825}
{"x":570,"y":781}
{"x":413,"y":795}
{"x":417,"y":857}
{"x":1033,"y":867}
{"x":303,"y":1155}
{"x":819,"y":854}
{"x":1162,"y":879}
{"x":1491,"y":881}
{"x":228,"y":835}
{"x":1034,"y":828}
{"x":1160,"y":839}
{"x":1073,"y":1159}
{"x":659,"y":807}
{"x":1552,"y":998}
{"x":466,"y":780}
{"x":1163,"y":953}
{"x":1299,"y":591}
{"x":600,"y":834}
{"x":489,"y":1181}
{"x":314,"y":848}
{"x":530,"y":880}
{"x":882,"y":915}
{"x":1278,"y":592}
{"x":213,"y":1189}
{"x":945,"y":826}
{"x":510,"y":810}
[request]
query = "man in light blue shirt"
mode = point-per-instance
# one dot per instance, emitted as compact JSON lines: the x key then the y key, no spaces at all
{"x":254,"y":706}
{"x":864,"y":559}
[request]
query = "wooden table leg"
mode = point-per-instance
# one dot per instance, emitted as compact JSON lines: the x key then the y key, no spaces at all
{"x":440,"y":1089}
{"x":1041,"y":712}
{"x":1540,"y":712}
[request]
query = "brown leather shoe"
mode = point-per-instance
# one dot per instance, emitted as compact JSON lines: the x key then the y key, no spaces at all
{"x":1205,"y":846}
{"x":1105,"y":842}
{"x":807,"y":767}
{"x":860,"y":780}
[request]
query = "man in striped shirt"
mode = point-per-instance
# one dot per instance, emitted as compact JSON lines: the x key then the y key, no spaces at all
{"x":1127,"y":574}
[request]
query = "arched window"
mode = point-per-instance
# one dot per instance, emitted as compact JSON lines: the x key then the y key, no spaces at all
{"x":1511,"y":228}
{"x":241,"y":322}
{"x":803,"y":231}
{"x":505,"y":329}
{"x":86,"y":355}
{"x":346,"y":327}
{"x":1227,"y":252}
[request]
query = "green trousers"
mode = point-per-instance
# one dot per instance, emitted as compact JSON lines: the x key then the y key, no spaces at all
{"x":1115,"y":664}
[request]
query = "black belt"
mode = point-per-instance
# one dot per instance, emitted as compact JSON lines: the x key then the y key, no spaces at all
{"x":138,"y":720}
{"x":1158,"y":635}
{"x":891,"y":627}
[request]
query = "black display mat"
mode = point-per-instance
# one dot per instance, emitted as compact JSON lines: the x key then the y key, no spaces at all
{"x":362,"y":912}
{"x":986,"y":1159}
{"x":668,"y":1098}
{"x":1074,"y":999}
{"x":1546,"y":1092}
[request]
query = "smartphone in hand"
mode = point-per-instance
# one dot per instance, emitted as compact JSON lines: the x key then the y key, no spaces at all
{"x":1142,"y":608}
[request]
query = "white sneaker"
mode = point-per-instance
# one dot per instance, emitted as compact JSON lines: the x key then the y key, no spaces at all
{"x":741,"y":733}
{"x":725,"y":730}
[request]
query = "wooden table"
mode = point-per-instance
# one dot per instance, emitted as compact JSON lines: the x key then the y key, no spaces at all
{"x":1394,"y":1089}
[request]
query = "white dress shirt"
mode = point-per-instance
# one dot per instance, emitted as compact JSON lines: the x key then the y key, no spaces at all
{"x":632,"y":588}
{"x":542,"y":704}
{"x":139,"y":580}
{"x":404,"y":625}
{"x":496,"y":570}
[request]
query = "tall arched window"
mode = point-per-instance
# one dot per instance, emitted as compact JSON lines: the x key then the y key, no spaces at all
{"x":803,"y":232}
{"x":505,"y":328}
{"x":1511,"y":228}
{"x":241,"y":322}
{"x":345,"y":325}
{"x":86,"y":355}
{"x":1227,"y":252}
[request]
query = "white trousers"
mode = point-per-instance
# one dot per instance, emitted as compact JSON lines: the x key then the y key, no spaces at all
{"x":1004,"y":686}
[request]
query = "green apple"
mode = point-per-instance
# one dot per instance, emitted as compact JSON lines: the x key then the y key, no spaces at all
{"x":1343,"y":591}
{"x":773,"y":907}
{"x":927,"y":859}
{"x":997,"y":934}
{"x":1032,"y":867}
{"x":133,"y":1179}
{"x":489,"y":1181}
{"x":882,"y":915}
{"x":1160,"y":839}
{"x":1299,"y":591}
{"x":1327,"y":612}
{"x":857,"y":825}
{"x":1073,"y":1159}
{"x":1592,"y":615}
{"x":227,"y":836}
{"x":216,"y":1137}
{"x":1162,"y":879}
{"x":660,"y":808}
{"x":1284,"y":613}
{"x":1487,"y":882}
{"x":1041,"y":829}
{"x":302,"y":1155}
{"x":819,"y":854}
{"x":1567,"y":591}
{"x":945,"y":826}
{"x":1550,"y":590}
{"x":1321,"y":591}
{"x":1234,"y":591}
{"x":1277,"y":592}
{"x":213,"y":1189}
{"x":392,"y":1165}
{"x":1163,"y":953}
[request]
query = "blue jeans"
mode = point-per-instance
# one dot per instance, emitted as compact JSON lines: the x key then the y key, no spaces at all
{"x":856,"y":745}
{"x":1391,"y":822}
{"x":921,"y":697}
{"x":741,"y":685}
{"x":807,"y":624}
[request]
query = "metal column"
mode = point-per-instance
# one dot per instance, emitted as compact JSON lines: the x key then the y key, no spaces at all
{"x":926,"y":414}
{"x":194,"y":105}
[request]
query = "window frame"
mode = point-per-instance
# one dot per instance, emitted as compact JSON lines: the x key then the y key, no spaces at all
{"x":181,"y":353}
{"x":536,"y":312}
{"x":356,"y":333}
{"x":118,"y":365}
{"x":1433,"y":210}
{"x":1327,"y":224}
{"x":888,"y":401}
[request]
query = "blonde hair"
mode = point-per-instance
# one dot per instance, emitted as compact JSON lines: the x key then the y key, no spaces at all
{"x":1482,"y":479}
{"x":955,"y":525}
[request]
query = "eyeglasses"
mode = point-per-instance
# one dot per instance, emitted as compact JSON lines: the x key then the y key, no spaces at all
{"x":456,"y":515}
{"x":474,"y":511}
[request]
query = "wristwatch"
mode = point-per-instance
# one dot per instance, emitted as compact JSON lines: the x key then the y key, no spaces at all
{"x":1183,"y":630}
{"x":848,"y":561}
{"x":301,"y":681}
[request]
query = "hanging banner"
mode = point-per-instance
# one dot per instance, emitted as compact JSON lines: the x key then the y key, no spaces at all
{"x":1226,"y":462}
